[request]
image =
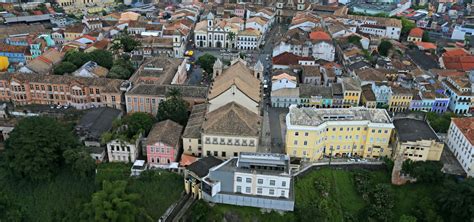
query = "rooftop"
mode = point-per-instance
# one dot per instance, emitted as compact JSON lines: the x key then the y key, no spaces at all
{"x":310,"y":116}
{"x":201,"y":167}
{"x":195,"y":121}
{"x":414,"y":130}
{"x":416,"y":32}
{"x":96,"y":122}
{"x":466,"y":126}
{"x":258,"y":163}
{"x":232,"y":119}
{"x":167,"y":131}
{"x":157,"y":70}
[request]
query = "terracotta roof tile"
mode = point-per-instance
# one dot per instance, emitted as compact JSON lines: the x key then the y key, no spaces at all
{"x":466,"y":126}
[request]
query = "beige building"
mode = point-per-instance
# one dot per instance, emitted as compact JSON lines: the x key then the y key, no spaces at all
{"x":416,"y":140}
{"x":230,"y":122}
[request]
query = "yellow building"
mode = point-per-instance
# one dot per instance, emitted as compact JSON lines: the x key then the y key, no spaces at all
{"x":399,"y":100}
{"x":416,"y":140}
{"x":352,"y":91}
{"x":312,"y":133}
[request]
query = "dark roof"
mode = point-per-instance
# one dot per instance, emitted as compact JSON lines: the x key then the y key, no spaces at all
{"x":414,"y":130}
{"x":421,"y":59}
{"x":167,"y":131}
{"x":96,"y":122}
{"x":308,"y":90}
{"x":202,"y":166}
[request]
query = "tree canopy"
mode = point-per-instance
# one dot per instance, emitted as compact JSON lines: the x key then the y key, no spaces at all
{"x":9,"y":211}
{"x":407,"y":25}
{"x":440,"y":122}
{"x":174,"y":108}
{"x":64,"y":67}
{"x":80,"y":162}
{"x":35,"y":148}
{"x":138,"y":122}
{"x":424,"y":171}
{"x":103,"y":58}
{"x":385,"y":47}
{"x":456,"y":200}
{"x":122,"y":69}
{"x":125,"y":42}
{"x":112,"y":203}
{"x":206,"y":62}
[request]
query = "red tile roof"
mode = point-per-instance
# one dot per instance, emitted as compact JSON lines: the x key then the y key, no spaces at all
{"x":456,"y":52}
{"x":416,"y":32}
{"x":466,"y":126}
{"x":319,"y":35}
{"x":425,"y":45}
{"x":287,"y":58}
{"x":464,"y":63}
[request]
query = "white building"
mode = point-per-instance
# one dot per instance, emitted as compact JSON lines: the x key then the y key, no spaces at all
{"x":384,"y":27}
{"x":260,"y":180}
{"x":460,"y":32}
{"x":461,"y":142}
{"x":123,"y":151}
{"x":215,"y":33}
{"x":283,"y":81}
{"x":248,"y":39}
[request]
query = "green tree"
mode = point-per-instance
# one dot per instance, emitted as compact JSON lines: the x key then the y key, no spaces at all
{"x":125,"y":42}
{"x":112,"y":203}
{"x":426,"y":211}
{"x":206,"y":62}
{"x":119,"y":72}
{"x":354,"y":39}
{"x":231,"y":36}
{"x":456,"y":200}
{"x":34,"y":149}
{"x":427,"y":171}
{"x":174,"y":108}
{"x":381,"y":203}
{"x":407,"y":218}
{"x":64,"y":67}
{"x":407,"y":25}
{"x":440,"y":122}
{"x":138,"y":122}
{"x":384,"y":47}
{"x":80,"y":162}
{"x":9,"y":211}
{"x":426,"y":37}
{"x":102,"y":57}
{"x":77,"y":58}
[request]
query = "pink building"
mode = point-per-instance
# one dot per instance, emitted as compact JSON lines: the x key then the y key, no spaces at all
{"x":163,"y":142}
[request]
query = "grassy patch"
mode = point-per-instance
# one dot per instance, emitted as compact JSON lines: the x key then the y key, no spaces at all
{"x":50,"y":200}
{"x":41,"y":201}
{"x":158,"y":190}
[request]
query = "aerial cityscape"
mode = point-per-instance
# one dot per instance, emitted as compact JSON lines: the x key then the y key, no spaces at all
{"x":237,"y":110}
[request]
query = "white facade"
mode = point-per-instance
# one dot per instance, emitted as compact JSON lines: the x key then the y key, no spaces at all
{"x":121,"y":151}
{"x":384,"y":27}
{"x":261,"y":184}
{"x":283,"y":83}
{"x":323,"y":50}
{"x":462,"y":149}
{"x":248,"y":42}
{"x":460,"y":32}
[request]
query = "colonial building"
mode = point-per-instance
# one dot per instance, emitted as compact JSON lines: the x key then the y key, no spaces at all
{"x":79,"y":92}
{"x":163,"y":143}
{"x":232,"y":118}
{"x":461,"y":94}
{"x":119,"y":150}
{"x":461,"y":142}
{"x":312,"y":133}
{"x":416,"y":140}
{"x":216,"y":33}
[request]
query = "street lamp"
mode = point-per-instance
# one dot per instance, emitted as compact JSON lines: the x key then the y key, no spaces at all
{"x":330,"y":155}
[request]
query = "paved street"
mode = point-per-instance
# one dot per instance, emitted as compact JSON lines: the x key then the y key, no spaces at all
{"x":276,"y":132}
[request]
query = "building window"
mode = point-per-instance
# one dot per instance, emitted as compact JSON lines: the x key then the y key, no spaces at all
{"x":236,"y":154}
{"x":239,"y":179}
{"x":259,"y":190}
{"x":239,"y":189}
{"x":216,"y":153}
{"x":223,"y":154}
{"x":283,"y":193}
{"x":248,"y":180}
{"x":296,"y":133}
{"x":272,"y":192}
{"x":272,"y":182}
{"x":283,"y":183}
{"x":260,"y":181}
{"x":247,"y":189}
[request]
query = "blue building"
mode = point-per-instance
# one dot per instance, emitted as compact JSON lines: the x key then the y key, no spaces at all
{"x":15,"y":54}
{"x":459,"y":90}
